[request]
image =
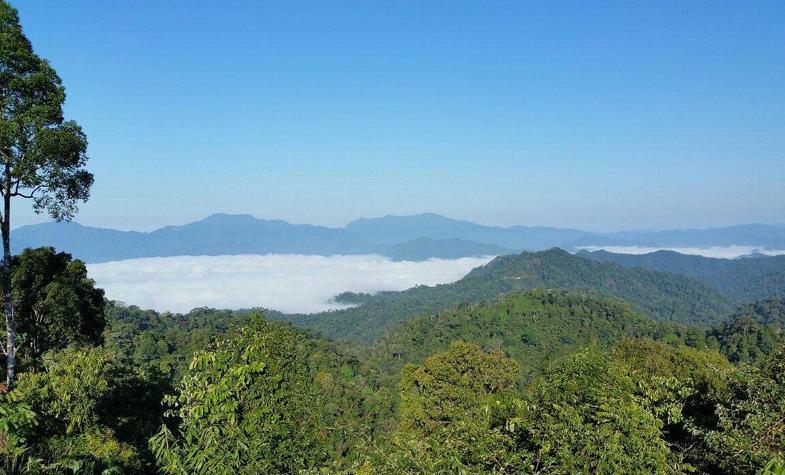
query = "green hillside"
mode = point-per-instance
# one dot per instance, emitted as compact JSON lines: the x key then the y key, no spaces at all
{"x":533,"y":327}
{"x":666,"y":297}
{"x":752,"y":332}
{"x":741,"y":280}
{"x":767,"y":312}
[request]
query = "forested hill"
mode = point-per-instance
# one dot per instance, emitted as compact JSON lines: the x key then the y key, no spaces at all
{"x":667,"y":297}
{"x":753,"y":331}
{"x":766,"y":312}
{"x":533,"y":327}
{"x":741,"y":280}
{"x":283,"y":393}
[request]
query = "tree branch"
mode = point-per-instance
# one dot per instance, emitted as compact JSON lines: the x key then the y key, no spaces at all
{"x":23,"y":195}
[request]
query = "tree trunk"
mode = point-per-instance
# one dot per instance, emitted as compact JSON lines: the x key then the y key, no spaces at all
{"x":5,"y":225}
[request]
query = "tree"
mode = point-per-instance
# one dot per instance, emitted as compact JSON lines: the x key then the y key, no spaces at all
{"x":449,"y":385}
{"x":55,"y":303}
{"x":583,"y":416}
{"x":245,"y":406}
{"x":57,"y":417}
{"x":453,"y":410}
{"x":682,"y":387}
{"x":43,"y":155}
{"x":750,"y":426}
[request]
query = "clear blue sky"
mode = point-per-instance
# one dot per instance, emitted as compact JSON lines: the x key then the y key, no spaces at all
{"x":584,"y":114}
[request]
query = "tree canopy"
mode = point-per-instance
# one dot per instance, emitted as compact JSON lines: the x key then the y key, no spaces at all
{"x":43,"y":155}
{"x":244,"y":406}
{"x":55,"y":303}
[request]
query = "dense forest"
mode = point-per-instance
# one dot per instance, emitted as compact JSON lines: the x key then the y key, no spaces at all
{"x":530,"y":381}
{"x":663,"y":296}
{"x":536,"y":363}
{"x":741,"y":280}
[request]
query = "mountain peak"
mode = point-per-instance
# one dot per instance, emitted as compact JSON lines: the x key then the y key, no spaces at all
{"x":417,"y":217}
{"x":227,"y":217}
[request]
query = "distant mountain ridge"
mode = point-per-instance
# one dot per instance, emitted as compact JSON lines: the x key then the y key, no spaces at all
{"x":217,"y":234}
{"x":741,"y":280}
{"x":394,"y":229}
{"x":415,"y":237}
{"x":761,"y":235}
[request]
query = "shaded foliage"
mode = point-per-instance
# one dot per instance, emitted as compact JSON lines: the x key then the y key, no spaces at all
{"x":55,"y":303}
{"x":68,"y":430}
{"x":753,"y":331}
{"x":750,"y":428}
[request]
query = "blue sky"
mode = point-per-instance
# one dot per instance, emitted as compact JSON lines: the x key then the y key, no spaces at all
{"x":583,"y":114}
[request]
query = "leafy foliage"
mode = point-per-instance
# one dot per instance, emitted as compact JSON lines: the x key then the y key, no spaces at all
{"x":450,"y":384}
{"x":245,"y":406}
{"x":537,"y":381}
{"x":44,"y":154}
{"x":750,"y":429}
{"x":162,"y":344}
{"x":55,"y":303}
{"x":596,"y":411}
{"x":530,"y":364}
{"x":453,"y":409}
{"x":505,"y":386}
{"x":753,"y":332}
{"x":17,"y":421}
{"x":584,"y":416}
{"x":67,"y":432}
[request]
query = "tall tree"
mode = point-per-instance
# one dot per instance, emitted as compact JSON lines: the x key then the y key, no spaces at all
{"x":55,"y":304}
{"x":43,"y":155}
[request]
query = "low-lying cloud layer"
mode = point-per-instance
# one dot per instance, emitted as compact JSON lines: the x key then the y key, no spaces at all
{"x":289,"y":283}
{"x":725,"y":252}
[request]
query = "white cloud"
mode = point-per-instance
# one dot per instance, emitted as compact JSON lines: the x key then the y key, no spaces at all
{"x":289,"y":283}
{"x":726,"y":252}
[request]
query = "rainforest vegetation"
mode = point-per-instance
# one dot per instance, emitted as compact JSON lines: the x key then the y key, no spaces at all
{"x":537,"y":381}
{"x":541,"y":363}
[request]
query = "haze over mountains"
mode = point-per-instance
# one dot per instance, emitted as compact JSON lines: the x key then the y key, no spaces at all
{"x":415,"y":237}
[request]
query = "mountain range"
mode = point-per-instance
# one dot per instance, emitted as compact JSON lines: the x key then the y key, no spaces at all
{"x":415,"y":237}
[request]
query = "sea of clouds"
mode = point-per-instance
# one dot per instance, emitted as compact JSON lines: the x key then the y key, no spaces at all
{"x":725,"y":252}
{"x":289,"y":283}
